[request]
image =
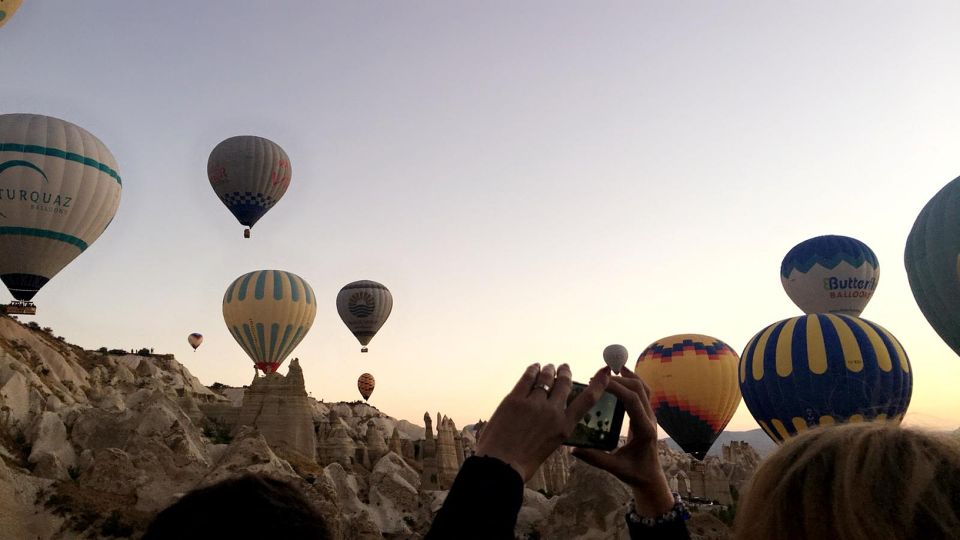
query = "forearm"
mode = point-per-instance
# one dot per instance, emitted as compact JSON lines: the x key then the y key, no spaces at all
{"x":482,"y":503}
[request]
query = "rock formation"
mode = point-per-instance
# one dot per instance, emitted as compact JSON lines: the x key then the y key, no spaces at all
{"x":94,"y":443}
{"x":279,"y":407}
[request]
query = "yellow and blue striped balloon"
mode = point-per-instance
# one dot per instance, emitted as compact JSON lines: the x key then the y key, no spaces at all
{"x":269,"y":312}
{"x":822,"y":369}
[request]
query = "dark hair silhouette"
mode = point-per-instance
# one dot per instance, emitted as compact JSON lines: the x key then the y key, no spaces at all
{"x":248,"y":506}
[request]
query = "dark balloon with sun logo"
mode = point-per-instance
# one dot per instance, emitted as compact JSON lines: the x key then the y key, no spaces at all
{"x":364,"y":306}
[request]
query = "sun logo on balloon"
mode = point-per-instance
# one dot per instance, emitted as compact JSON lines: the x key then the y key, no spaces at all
{"x":361,"y":305}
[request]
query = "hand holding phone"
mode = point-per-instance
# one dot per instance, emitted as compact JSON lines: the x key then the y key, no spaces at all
{"x":600,"y":427}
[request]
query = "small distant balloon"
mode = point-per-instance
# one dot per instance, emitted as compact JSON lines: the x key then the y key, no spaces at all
{"x":7,"y":9}
{"x":249,"y":174}
{"x":616,"y":357}
{"x":195,"y":340}
{"x":364,"y":306}
{"x":830,"y":274}
{"x":366,"y":384}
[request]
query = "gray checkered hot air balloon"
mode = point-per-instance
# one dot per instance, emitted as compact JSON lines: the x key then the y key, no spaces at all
{"x":249,"y":174}
{"x":364,"y":306}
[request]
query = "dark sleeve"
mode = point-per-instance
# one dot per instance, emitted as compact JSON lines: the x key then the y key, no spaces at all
{"x":674,"y":530}
{"x":482,"y":503}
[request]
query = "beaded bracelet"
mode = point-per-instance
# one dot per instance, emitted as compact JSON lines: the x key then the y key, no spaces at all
{"x":677,"y":513}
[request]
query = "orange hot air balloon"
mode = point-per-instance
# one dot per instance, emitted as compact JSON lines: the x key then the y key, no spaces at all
{"x":366,"y":384}
{"x":695,"y":389}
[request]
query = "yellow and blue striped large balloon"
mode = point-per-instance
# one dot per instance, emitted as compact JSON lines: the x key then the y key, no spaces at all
{"x":822,"y":369}
{"x":269,"y":312}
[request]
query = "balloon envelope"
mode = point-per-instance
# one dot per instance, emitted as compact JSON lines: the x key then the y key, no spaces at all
{"x":7,"y":9}
{"x":195,"y":340}
{"x":364,"y":306}
{"x":269,"y":312}
{"x":830,"y":274}
{"x":694,"y":383}
{"x":932,"y":257}
{"x":615,"y":356}
{"x":59,"y":190}
{"x":366,"y":384}
{"x":823,"y":369}
{"x":249,"y":174}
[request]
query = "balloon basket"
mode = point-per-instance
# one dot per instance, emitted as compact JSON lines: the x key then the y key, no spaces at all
{"x":19,"y":308}
{"x":246,"y":233}
{"x":363,"y":349}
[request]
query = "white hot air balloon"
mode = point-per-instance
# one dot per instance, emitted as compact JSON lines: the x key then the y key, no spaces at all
{"x":249,"y":174}
{"x":616,"y":357}
{"x":59,"y":190}
{"x":364,"y":306}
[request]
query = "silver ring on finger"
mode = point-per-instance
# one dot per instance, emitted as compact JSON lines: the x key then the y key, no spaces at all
{"x":544,"y":387}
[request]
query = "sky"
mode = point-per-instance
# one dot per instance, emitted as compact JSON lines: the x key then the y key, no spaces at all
{"x":533,"y":181}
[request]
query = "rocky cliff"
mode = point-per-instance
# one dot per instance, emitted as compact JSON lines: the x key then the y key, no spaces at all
{"x":92,"y":444}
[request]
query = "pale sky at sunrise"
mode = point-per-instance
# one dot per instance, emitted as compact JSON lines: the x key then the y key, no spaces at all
{"x":532,"y":180}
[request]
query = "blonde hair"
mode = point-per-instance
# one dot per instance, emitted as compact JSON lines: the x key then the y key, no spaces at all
{"x":864,"y":481}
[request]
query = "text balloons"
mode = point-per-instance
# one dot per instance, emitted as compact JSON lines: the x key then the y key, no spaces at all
{"x":615,"y":356}
{"x":830,"y":274}
{"x":269,"y":312}
{"x":366,"y":384}
{"x":59,"y":190}
{"x":364,"y":306}
{"x":249,"y":174}
{"x":694,"y":383}
{"x":195,"y":340}
{"x":7,"y":9}
{"x":932,"y":259}
{"x":823,"y":369}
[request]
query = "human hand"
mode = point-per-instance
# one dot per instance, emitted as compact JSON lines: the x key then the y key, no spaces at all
{"x":636,"y":463}
{"x":533,"y":419}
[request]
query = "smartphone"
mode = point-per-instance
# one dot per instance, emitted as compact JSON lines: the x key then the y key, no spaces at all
{"x":600,"y":427}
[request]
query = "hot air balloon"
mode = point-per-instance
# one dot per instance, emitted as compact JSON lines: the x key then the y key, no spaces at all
{"x":269,"y":312}
{"x":694,"y":383}
{"x":823,"y":369}
{"x":7,"y":9}
{"x":615,"y":356}
{"x":830,"y":274}
{"x":932,"y":258}
{"x":59,"y":190}
{"x":195,"y":340}
{"x":249,"y":174}
{"x":366,"y":384}
{"x":364,"y":306}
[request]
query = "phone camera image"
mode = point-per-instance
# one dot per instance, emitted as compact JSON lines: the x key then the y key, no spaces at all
{"x":600,"y":426}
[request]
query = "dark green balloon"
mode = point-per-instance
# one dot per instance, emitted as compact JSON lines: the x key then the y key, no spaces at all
{"x":931,"y":261}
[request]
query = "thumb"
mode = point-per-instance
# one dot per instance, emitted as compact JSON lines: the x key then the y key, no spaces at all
{"x":596,"y":458}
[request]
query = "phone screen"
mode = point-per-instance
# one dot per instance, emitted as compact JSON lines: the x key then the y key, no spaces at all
{"x":600,"y":426}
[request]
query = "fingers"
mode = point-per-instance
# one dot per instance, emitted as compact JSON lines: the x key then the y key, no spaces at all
{"x":589,"y":397}
{"x":631,"y":402}
{"x":544,"y":379}
{"x":522,"y":388}
{"x":563,"y":384}
{"x":636,"y":383}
